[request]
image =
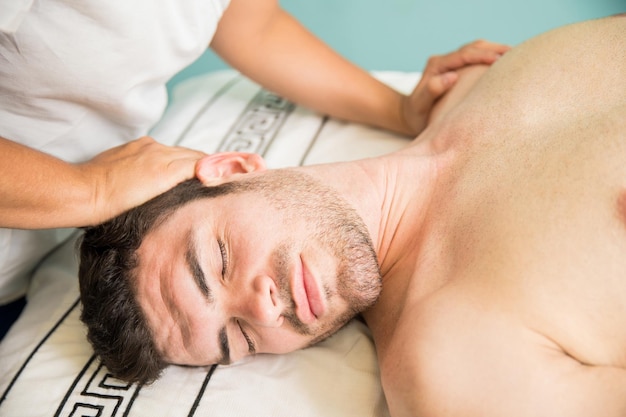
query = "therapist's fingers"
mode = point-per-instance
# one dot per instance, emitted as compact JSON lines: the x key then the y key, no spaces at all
{"x":477,"y":52}
{"x":416,"y":108}
{"x":430,"y":89}
{"x":131,"y":174}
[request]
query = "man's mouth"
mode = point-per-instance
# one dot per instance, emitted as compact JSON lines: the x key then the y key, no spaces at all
{"x":307,"y":295}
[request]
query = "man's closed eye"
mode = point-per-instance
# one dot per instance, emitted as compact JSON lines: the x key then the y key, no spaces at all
{"x":224,"y":256}
{"x":249,"y":341}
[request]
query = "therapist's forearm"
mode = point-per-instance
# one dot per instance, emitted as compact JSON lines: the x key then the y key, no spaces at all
{"x":285,"y":57}
{"x":40,"y":191}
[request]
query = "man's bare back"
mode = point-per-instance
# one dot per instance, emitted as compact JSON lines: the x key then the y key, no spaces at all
{"x":517,"y":302}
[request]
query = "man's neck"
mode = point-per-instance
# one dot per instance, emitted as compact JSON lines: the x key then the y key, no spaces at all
{"x":392,"y":194}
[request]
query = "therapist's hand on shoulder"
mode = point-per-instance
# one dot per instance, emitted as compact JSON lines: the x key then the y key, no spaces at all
{"x":129,"y":175}
{"x":440,"y":75}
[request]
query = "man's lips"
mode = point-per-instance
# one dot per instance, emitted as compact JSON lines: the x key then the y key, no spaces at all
{"x":314,"y":295}
{"x":307,"y":295}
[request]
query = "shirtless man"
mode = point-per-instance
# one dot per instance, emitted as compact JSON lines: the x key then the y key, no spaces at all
{"x":500,"y":237}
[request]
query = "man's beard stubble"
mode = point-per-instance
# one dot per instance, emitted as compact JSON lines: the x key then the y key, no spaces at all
{"x":337,"y":227}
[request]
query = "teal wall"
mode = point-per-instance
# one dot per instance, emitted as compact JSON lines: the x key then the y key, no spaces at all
{"x":402,"y":34}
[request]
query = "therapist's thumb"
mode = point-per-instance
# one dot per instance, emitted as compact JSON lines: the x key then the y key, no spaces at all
{"x":439,"y":84}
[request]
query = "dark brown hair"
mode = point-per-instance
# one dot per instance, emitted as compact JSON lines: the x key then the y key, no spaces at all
{"x":117,"y":327}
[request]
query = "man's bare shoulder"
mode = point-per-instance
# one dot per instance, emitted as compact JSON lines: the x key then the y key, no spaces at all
{"x":462,"y":356}
{"x":540,"y":85}
{"x":552,"y":78}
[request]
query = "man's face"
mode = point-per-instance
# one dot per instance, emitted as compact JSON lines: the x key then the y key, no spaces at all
{"x":272,"y":269}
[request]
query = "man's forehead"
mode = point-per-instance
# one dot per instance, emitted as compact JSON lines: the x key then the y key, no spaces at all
{"x":176,"y":225}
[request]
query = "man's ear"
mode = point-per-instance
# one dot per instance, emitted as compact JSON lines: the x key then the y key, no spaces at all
{"x":220,"y":167}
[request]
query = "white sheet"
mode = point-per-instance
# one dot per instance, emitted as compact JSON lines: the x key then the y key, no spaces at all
{"x":47,"y":368}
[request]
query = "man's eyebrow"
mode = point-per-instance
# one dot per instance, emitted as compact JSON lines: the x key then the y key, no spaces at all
{"x":198,"y":276}
{"x":191,"y":257}
{"x":224,"y":347}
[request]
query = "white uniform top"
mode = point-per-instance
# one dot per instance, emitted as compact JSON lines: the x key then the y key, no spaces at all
{"x":79,"y":77}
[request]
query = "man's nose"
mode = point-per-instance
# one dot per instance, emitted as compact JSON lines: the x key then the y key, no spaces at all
{"x":261,"y":304}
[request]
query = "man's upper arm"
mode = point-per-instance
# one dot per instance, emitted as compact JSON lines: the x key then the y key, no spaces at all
{"x":470,"y":364}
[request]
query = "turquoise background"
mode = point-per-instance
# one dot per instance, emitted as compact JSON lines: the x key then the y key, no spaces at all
{"x":402,"y":34}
